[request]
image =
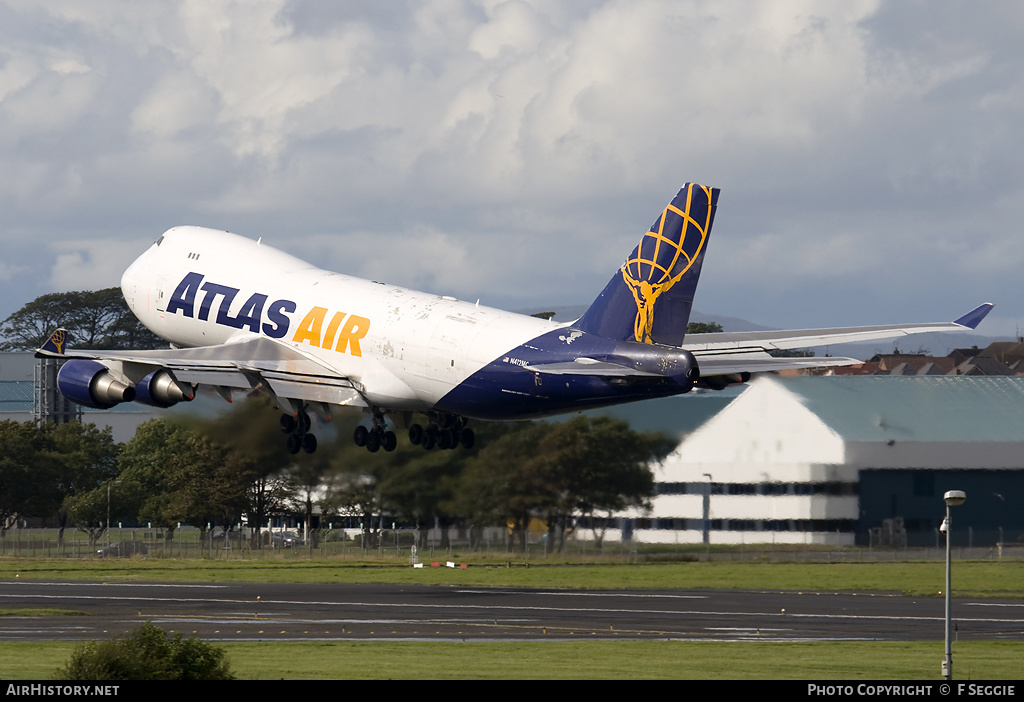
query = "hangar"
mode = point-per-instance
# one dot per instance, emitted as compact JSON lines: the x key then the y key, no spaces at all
{"x":846,"y":460}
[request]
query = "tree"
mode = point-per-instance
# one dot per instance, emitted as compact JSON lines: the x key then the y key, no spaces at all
{"x":81,"y":457}
{"x":255,"y":459}
{"x":148,"y":653}
{"x":703,"y":327}
{"x":97,"y":319}
{"x":24,"y":477}
{"x":560,"y":470}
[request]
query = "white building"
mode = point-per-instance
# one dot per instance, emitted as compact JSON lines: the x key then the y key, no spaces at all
{"x":839,"y":460}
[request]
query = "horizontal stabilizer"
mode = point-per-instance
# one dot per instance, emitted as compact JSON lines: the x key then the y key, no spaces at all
{"x":757,"y":361}
{"x":588,"y":366}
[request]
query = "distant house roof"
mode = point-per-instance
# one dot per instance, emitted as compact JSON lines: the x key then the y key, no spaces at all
{"x":984,"y":365}
{"x":911,"y":364}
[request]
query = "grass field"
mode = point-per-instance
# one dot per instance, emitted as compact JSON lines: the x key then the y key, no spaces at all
{"x":618,"y":660}
{"x":595,"y":659}
{"x":1004,"y":578}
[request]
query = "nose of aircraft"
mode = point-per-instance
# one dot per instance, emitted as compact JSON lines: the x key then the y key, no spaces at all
{"x":133,"y":285}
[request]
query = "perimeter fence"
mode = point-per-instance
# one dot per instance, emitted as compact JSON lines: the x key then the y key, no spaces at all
{"x":408,"y":544}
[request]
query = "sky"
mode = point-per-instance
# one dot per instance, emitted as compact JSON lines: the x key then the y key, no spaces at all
{"x":870,"y":153}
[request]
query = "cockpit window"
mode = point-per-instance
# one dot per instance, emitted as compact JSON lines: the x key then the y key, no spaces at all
{"x":160,"y":240}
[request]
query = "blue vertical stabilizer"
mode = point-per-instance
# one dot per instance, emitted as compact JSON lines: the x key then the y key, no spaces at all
{"x":649,"y":299}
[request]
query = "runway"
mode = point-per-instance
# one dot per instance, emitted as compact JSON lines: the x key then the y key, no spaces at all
{"x":260,"y":612}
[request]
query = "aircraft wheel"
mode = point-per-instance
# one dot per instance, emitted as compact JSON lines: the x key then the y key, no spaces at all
{"x":309,"y":443}
{"x":445,"y":439}
{"x":294,"y":443}
{"x":429,"y":439}
{"x":360,"y":435}
{"x":372,"y":442}
{"x":304,"y":422}
{"x":287,"y":423}
{"x":468,"y":438}
{"x":388,"y":441}
{"x":415,"y":434}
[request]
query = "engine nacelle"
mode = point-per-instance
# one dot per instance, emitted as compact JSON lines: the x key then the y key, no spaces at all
{"x":92,"y":384}
{"x":160,"y":389}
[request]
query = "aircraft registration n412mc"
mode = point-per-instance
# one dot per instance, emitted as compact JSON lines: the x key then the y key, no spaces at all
{"x":242,"y":315}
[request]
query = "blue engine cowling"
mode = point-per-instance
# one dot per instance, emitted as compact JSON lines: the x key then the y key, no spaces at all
{"x":91,"y":383}
{"x":160,"y":389}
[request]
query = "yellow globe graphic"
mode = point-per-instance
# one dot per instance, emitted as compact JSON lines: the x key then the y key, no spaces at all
{"x":665,"y":253}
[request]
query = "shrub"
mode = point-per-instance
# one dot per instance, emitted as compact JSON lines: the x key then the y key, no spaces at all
{"x":148,"y":653}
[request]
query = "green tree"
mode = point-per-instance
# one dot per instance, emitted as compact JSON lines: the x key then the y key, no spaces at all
{"x":98,"y":319}
{"x":557,"y":471}
{"x":148,"y":653}
{"x":255,"y":458}
{"x":505,"y":483}
{"x":703,"y":327}
{"x":24,"y":477}
{"x":204,"y":489}
{"x":145,"y":490}
{"x":81,"y":458}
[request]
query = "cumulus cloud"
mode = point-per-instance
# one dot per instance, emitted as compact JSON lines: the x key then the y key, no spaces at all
{"x":92,"y":265}
{"x":860,"y":146}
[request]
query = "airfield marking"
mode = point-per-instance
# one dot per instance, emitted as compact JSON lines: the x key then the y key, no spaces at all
{"x":533,"y":608}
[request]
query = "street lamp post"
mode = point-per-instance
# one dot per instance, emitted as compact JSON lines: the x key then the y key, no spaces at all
{"x":107,"y":530}
{"x":707,"y":511}
{"x":953,"y":498}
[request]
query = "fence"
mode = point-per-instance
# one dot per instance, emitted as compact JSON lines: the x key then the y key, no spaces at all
{"x":186,"y":542}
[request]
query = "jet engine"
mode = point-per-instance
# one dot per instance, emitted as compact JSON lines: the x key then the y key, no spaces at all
{"x":92,"y":384}
{"x":160,"y":389}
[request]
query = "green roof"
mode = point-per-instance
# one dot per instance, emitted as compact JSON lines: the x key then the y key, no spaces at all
{"x":16,"y":395}
{"x":915,"y":408}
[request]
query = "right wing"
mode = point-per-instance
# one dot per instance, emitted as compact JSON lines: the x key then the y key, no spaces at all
{"x":735,"y":352}
{"x":258,"y":363}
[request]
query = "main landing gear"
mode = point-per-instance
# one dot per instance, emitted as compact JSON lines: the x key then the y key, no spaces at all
{"x":448,"y":432}
{"x":297,"y":429}
{"x":379,"y":437}
{"x":445,"y":431}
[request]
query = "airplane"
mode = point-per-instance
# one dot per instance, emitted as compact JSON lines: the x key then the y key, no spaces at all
{"x":241,"y":315}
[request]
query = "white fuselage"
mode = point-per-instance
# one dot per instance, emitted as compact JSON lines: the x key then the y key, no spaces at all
{"x":406,"y":349}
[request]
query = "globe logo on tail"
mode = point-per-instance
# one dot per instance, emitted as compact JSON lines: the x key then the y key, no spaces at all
{"x":58,"y":339}
{"x":665,"y":254}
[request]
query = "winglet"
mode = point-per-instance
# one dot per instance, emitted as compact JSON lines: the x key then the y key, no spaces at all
{"x":972,"y":319}
{"x":54,"y":346}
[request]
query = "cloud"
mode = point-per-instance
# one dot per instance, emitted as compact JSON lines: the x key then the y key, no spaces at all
{"x":860,"y":146}
{"x":92,"y":265}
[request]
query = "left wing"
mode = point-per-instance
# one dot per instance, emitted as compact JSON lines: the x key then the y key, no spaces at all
{"x":259,"y":363}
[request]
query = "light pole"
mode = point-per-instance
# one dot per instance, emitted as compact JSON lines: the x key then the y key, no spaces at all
{"x":953,"y":498}
{"x":707,"y":512}
{"x":107,"y":530}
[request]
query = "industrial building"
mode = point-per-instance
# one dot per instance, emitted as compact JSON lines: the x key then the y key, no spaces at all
{"x":28,"y":390}
{"x":846,"y":460}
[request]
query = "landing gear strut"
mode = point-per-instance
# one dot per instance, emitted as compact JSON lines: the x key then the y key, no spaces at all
{"x":297,"y":428}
